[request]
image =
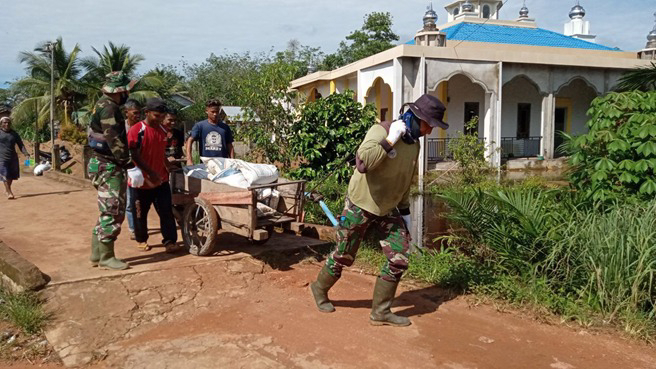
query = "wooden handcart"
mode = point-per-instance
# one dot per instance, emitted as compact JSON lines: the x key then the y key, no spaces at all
{"x":203,"y":207}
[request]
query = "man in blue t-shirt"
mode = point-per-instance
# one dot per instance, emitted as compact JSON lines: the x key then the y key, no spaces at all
{"x":214,"y":137}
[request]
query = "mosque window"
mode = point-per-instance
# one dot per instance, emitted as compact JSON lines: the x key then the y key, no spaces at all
{"x":456,"y":11}
{"x":486,"y":11}
{"x":523,"y":120}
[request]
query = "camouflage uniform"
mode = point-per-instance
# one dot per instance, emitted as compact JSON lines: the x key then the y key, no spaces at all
{"x":107,"y":167}
{"x":107,"y":170}
{"x":353,"y":226}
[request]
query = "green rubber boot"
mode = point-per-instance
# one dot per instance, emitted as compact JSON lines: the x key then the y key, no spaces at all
{"x":320,"y":288}
{"x":95,"y":253}
{"x":107,"y":258}
{"x":381,"y":314}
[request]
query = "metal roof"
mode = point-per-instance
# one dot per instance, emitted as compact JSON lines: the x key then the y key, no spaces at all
{"x":499,"y":34}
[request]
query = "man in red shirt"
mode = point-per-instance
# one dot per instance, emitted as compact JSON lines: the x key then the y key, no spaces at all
{"x":147,"y":142}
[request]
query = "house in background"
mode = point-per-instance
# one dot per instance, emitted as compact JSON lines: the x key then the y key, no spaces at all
{"x":524,"y":83}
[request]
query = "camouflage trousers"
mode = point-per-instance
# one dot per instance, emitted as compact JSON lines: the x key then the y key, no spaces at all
{"x":354,"y":224}
{"x":111,"y":182}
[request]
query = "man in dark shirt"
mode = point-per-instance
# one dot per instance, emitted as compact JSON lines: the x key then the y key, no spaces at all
{"x":174,"y":136}
{"x":214,"y":136}
{"x":9,"y":168}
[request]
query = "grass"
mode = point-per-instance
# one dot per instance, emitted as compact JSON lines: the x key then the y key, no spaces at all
{"x":25,"y":310}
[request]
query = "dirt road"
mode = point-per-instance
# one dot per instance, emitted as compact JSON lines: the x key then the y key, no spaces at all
{"x":245,"y":311}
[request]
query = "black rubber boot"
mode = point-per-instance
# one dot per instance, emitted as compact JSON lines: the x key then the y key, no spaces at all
{"x":320,"y":288}
{"x":381,"y":314}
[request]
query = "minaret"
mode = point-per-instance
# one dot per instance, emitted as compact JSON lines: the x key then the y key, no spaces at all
{"x":523,"y":14}
{"x":577,"y":27}
{"x":473,"y":9}
{"x":430,"y":35}
{"x":649,"y":52}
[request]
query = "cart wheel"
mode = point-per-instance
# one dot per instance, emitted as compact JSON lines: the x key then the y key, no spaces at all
{"x":270,"y":230}
{"x":200,"y":225}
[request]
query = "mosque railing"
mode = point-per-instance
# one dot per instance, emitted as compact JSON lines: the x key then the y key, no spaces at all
{"x":511,"y":147}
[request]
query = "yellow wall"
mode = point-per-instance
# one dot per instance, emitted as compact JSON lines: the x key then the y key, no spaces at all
{"x":563,"y":102}
{"x":443,"y":94}
{"x":333,"y":87}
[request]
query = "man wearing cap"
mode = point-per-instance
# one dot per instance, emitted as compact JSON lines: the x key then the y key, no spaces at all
{"x":379,"y":196}
{"x":107,"y":168}
{"x":9,"y":139}
{"x":147,"y":141}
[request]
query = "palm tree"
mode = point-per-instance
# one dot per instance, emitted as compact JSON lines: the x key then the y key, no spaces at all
{"x":113,"y":58}
{"x":643,"y":79}
{"x":69,"y":91}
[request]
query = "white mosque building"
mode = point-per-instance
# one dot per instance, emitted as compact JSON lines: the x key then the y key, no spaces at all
{"x":524,"y":83}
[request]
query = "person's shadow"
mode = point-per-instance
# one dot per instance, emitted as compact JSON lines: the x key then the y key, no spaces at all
{"x":417,"y":302}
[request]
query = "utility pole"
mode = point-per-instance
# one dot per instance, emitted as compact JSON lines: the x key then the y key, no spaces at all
{"x":50,"y":46}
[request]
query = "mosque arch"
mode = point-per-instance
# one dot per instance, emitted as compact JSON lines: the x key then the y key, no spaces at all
{"x":381,"y":95}
{"x":313,"y":95}
{"x":466,"y":74}
{"x":529,"y":80}
{"x":575,"y":78}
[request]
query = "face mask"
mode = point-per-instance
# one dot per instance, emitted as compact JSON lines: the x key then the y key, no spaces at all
{"x":413,"y":125}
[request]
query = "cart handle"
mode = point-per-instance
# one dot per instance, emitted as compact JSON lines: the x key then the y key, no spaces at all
{"x":275,"y":185}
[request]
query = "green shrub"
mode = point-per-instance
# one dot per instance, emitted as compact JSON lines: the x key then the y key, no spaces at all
{"x":617,"y":158}
{"x":469,"y":152}
{"x":328,"y":134}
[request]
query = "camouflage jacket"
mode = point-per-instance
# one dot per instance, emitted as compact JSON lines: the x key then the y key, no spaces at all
{"x":108,"y":120}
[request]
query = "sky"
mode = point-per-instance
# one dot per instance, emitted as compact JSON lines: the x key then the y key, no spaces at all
{"x":167,"y":32}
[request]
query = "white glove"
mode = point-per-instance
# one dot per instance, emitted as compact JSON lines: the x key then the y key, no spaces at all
{"x":397,"y":129}
{"x":136,"y":177}
{"x":408,"y":221}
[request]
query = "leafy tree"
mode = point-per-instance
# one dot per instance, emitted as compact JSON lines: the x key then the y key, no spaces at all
{"x":327,"y":135}
{"x":643,"y":79}
{"x":266,"y":97}
{"x":375,"y":36}
{"x":304,"y":58}
{"x":218,"y":77}
{"x":165,"y":81}
{"x":618,"y":156}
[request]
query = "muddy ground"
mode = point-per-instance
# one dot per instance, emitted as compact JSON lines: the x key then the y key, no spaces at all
{"x":253,"y":309}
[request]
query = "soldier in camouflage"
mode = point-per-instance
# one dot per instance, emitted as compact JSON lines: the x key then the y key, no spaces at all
{"x":379,"y":197}
{"x":107,"y":168}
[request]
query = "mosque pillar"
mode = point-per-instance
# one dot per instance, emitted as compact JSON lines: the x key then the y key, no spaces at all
{"x":548,"y":126}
